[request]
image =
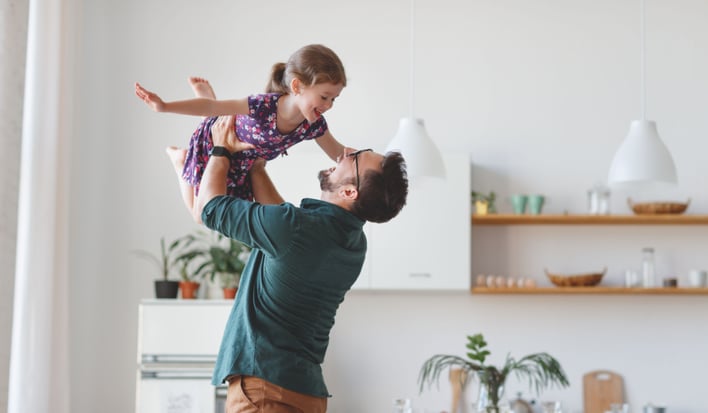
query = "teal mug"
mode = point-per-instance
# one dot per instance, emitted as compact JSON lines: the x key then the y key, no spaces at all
{"x":518,"y":203}
{"x":536,"y":204}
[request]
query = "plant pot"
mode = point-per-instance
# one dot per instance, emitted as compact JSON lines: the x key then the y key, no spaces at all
{"x":230,"y":293}
{"x":166,"y":289}
{"x":189,"y":289}
{"x":212,"y":289}
{"x":481,"y":207}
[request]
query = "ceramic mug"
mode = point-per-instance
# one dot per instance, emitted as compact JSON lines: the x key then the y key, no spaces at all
{"x":698,"y":278}
{"x":518,"y":203}
{"x":631,"y":278}
{"x":536,"y":204}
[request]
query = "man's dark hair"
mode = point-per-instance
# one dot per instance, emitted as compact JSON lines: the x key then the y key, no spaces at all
{"x":383,"y":194}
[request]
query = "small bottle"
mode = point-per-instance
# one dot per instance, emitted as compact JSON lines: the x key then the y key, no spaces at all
{"x":599,"y":200}
{"x":648,"y":268}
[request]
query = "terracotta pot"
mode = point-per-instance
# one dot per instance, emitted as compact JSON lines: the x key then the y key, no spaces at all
{"x":189,"y":289}
{"x":230,"y":293}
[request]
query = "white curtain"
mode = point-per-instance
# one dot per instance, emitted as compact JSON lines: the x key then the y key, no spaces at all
{"x":39,"y":360}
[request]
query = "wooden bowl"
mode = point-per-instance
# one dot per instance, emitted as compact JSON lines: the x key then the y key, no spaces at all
{"x":653,"y":208}
{"x":576,"y":280}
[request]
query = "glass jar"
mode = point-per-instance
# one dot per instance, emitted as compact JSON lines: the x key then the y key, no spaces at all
{"x":599,"y":200}
{"x":648,"y":268}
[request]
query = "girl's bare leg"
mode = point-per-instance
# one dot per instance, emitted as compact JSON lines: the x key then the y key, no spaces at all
{"x":177,"y":157}
{"x":201,"y":88}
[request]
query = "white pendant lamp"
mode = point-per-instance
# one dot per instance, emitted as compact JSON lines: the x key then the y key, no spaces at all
{"x":642,"y":158}
{"x":422,"y":156}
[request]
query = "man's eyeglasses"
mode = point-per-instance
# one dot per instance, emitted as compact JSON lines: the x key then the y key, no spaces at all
{"x":355,"y":155}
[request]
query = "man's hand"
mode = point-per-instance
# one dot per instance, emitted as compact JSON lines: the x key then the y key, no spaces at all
{"x":259,"y":164}
{"x":223,"y":134}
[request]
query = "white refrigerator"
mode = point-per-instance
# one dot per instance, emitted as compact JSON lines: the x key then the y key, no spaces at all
{"x":178,"y":341}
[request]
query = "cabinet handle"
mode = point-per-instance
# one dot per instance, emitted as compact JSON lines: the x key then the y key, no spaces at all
{"x":419,"y":275}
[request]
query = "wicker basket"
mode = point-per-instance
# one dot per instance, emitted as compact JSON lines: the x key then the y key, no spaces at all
{"x":576,"y":280}
{"x":653,"y":208}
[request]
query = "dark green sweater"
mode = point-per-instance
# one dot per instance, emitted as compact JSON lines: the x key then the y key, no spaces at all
{"x":304,"y":260}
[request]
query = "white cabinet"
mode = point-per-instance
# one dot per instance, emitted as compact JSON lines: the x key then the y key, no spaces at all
{"x":426,"y":247}
{"x":191,"y":394}
{"x":179,"y":328}
{"x":178,"y":341}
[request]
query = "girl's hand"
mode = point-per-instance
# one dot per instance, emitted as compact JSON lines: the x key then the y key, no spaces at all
{"x":222,"y":134}
{"x":150,"y":98}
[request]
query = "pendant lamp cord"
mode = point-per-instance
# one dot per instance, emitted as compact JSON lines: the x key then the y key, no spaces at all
{"x":643,"y":61}
{"x":412,"y":59}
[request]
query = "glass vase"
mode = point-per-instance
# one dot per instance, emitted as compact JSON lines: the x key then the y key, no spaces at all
{"x":487,"y":398}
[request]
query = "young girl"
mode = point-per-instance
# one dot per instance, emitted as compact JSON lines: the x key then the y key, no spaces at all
{"x":290,"y":111}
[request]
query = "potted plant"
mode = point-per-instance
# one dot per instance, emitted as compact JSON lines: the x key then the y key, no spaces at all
{"x":541,"y":370}
{"x":484,"y":204}
{"x":166,"y":261}
{"x":229,"y":283}
{"x":217,"y":256}
{"x":189,"y":283}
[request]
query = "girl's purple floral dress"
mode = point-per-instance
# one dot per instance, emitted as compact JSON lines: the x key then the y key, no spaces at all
{"x":258,"y":128}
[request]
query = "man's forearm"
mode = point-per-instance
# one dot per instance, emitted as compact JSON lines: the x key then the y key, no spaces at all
{"x":213,"y":182}
{"x":264,"y":190}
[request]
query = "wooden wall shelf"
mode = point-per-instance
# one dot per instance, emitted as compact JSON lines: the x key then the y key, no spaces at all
{"x":568,"y":219}
{"x":564,"y":219}
{"x":590,"y":291}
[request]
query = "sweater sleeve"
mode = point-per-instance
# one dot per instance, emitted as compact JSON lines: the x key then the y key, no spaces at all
{"x":270,"y":228}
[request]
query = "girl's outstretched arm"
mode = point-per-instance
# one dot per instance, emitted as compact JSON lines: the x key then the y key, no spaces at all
{"x":196,"y":106}
{"x":330,"y":146}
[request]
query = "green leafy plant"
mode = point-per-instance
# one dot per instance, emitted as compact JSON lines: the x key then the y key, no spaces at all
{"x":169,"y":257}
{"x":229,"y":280}
{"x":488,"y":198}
{"x":540,"y":369}
{"x":212,"y":253}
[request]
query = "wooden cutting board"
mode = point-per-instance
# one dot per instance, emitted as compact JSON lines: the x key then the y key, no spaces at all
{"x":600,"y":389}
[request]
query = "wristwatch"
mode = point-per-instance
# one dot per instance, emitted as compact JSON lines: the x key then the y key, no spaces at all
{"x":220,"y":151}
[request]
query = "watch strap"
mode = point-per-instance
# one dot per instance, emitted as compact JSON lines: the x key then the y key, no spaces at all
{"x":220,"y":151}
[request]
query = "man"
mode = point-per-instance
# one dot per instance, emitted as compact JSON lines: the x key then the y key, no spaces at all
{"x":304,"y":260}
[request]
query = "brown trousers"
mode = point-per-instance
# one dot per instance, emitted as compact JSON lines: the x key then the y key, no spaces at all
{"x":248,"y":394}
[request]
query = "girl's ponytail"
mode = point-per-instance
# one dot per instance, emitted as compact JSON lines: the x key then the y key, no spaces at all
{"x":277,"y":80}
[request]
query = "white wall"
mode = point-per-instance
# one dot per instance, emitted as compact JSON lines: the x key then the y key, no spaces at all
{"x":539,"y":93}
{"x":380,"y":342}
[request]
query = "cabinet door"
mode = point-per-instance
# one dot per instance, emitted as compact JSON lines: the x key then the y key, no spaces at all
{"x":427,"y":246}
{"x":180,"y":395}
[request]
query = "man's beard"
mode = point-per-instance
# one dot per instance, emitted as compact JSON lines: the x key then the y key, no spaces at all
{"x":325,"y":183}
